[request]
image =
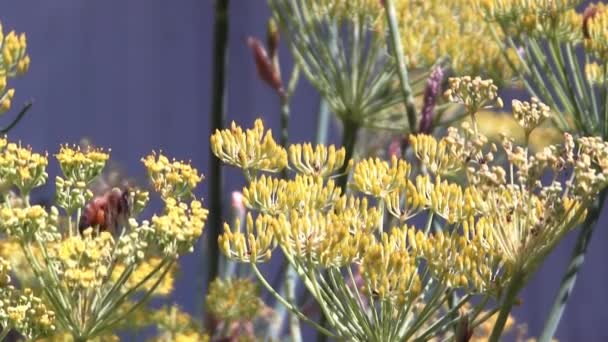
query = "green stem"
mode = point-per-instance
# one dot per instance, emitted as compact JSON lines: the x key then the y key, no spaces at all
{"x":349,"y":140}
{"x":287,"y":304}
{"x":515,"y":286}
{"x":218,"y":118}
{"x":397,"y":51}
{"x":574,"y":266}
{"x":20,"y":116}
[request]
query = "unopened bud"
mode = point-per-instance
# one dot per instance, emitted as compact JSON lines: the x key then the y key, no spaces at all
{"x":266,"y":69}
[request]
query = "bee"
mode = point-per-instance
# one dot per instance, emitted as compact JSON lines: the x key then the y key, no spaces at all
{"x":107,"y":212}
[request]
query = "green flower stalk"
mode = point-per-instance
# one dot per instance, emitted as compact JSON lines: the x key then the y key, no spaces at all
{"x":93,"y":260}
{"x":496,"y":229}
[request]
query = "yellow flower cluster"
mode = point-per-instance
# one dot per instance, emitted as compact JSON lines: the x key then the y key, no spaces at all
{"x":596,"y":31}
{"x":171,"y":179}
{"x":319,"y":162}
{"x":72,"y":195}
{"x":29,"y":223}
{"x":497,"y":226}
{"x":433,"y":29}
{"x":547,"y":18}
{"x":21,"y":167}
{"x":14,"y":61}
{"x":255,"y":245}
{"x":441,"y":157}
{"x":379,"y":178}
{"x":233,"y":299}
{"x":81,"y":166}
{"x":473,"y":93}
{"x":390,"y":270}
{"x":531,"y":114}
{"x":22,"y":310}
{"x":179,"y":228}
{"x":85,"y":260}
{"x":250,"y":150}
{"x":88,"y":277}
{"x":274,"y":196}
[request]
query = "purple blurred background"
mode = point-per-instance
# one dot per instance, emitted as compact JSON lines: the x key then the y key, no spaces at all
{"x":136,"y":75}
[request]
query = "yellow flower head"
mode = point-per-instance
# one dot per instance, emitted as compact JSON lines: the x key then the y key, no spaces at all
{"x":378,"y":178}
{"x":273,"y":196}
{"x":433,"y":29}
{"x":29,"y":223}
{"x":530,"y":114}
{"x":84,"y":261}
{"x":22,"y":167}
{"x":179,"y":228}
{"x":390,"y":270}
{"x":321,"y":161}
{"x":14,"y":61}
{"x":171,"y":178}
{"x":81,"y":166}
{"x":473,"y":93}
{"x":252,"y":149}
{"x":545,"y":18}
{"x":254,"y":245}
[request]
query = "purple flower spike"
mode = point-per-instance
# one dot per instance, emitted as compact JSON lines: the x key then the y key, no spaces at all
{"x":431,"y":92}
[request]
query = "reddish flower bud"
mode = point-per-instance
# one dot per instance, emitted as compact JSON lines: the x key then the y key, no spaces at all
{"x":264,"y":66}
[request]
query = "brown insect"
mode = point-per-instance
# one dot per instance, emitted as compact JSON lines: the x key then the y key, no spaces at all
{"x":108,"y":212}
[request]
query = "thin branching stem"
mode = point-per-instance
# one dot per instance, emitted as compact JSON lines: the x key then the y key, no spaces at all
{"x":399,"y":55}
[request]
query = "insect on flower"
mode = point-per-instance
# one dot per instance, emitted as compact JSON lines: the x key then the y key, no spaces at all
{"x":107,"y":212}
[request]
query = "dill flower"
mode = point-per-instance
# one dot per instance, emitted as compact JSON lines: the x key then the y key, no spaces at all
{"x":23,"y":168}
{"x":319,"y":162}
{"x":473,"y":93}
{"x":482,"y":237}
{"x":430,"y":31}
{"x":545,"y":18}
{"x":14,"y":61}
{"x":22,"y":310}
{"x":378,"y":178}
{"x":530,"y":114}
{"x":233,"y":299}
{"x":390,"y":270}
{"x":71,"y":195}
{"x":249,"y":150}
{"x":80,"y":166}
{"x":173,"y":179}
{"x":89,"y":278}
{"x":255,"y":245}
{"x":179,"y":228}
{"x":273,"y":196}
{"x":440,"y":157}
{"x":29,"y":223}
{"x":84,"y":261}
